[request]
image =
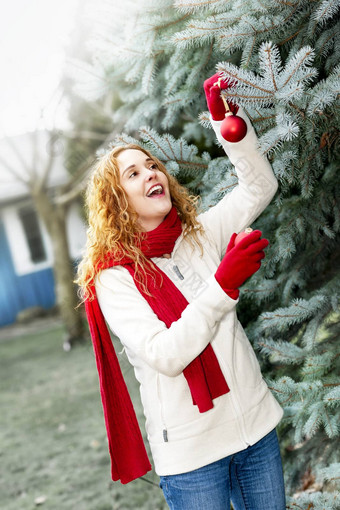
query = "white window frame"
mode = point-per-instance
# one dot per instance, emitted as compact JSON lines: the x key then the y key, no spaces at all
{"x":18,"y":244}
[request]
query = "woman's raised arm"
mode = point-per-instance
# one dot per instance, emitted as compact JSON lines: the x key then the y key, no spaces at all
{"x":256,"y":187}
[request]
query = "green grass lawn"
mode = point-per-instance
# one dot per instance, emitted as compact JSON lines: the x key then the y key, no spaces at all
{"x":52,"y":432}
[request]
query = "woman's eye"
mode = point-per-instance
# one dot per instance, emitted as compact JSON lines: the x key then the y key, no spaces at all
{"x":154,"y":167}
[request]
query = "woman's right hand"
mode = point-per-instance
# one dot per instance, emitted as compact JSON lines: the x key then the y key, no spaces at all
{"x":240,"y":262}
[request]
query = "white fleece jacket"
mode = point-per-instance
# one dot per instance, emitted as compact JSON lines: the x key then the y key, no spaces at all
{"x":182,"y":439}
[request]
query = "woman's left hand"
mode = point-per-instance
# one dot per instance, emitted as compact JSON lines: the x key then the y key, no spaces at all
{"x":213,"y":96}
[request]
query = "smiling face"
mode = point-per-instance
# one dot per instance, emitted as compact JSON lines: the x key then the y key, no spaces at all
{"x":146,"y":186}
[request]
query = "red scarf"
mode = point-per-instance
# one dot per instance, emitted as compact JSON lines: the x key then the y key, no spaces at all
{"x":129,"y":459}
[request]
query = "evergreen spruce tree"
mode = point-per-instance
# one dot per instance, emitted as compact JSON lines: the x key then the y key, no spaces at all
{"x":284,"y":60}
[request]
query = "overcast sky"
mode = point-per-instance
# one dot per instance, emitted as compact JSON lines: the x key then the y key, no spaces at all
{"x":33,"y":37}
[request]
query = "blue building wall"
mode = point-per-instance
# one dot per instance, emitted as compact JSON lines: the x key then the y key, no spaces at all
{"x":20,"y":292}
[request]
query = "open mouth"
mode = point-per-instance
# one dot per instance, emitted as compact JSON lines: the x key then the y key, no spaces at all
{"x":156,"y":191}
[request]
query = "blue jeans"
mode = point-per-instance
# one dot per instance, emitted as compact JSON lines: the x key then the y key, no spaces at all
{"x":251,"y":479}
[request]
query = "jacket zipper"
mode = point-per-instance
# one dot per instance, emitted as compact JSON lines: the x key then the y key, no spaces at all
{"x":175,"y":268}
{"x":164,"y":432}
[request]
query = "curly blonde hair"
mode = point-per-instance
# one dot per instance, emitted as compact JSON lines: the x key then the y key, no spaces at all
{"x":113,"y":223}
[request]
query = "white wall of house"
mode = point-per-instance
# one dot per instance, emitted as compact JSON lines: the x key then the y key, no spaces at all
{"x":19,"y":163}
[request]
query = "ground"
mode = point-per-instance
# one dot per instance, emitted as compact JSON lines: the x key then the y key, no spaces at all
{"x":53,"y":446}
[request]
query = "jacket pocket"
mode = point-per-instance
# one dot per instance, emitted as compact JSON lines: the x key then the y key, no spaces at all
{"x":175,"y":403}
{"x":245,"y":364}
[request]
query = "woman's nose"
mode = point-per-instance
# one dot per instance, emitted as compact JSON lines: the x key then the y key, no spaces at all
{"x":150,"y":173}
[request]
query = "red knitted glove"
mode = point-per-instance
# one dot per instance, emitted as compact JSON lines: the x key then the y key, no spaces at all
{"x":213,"y":96}
{"x":240,"y":262}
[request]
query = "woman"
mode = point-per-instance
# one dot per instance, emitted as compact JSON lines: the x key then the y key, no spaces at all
{"x":166,"y":280}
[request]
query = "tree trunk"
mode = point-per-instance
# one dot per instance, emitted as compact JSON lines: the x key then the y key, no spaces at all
{"x":54,"y":217}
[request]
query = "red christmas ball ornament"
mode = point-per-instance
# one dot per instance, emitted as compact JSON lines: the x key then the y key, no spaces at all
{"x":241,"y":235}
{"x":233,"y":128}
